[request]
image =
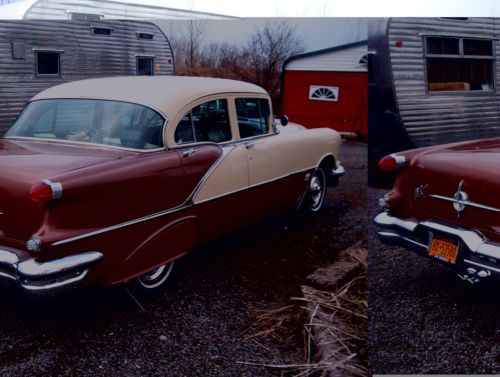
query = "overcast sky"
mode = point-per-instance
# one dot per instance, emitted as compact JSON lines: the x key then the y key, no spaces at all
{"x":335,"y":8}
{"x":317,"y":33}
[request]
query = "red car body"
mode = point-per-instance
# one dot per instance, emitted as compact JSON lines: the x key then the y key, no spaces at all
{"x":447,"y":197}
{"x":75,"y":212}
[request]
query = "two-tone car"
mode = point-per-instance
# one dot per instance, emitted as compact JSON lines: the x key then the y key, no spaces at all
{"x":445,"y":205}
{"x":106,"y":181}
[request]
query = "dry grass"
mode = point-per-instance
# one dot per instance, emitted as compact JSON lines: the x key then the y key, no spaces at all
{"x":334,"y":326}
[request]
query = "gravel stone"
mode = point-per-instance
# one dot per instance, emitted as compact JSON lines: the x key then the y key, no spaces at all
{"x":422,"y":318}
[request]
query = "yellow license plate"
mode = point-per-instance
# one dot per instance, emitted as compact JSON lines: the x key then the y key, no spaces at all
{"x":444,"y":249}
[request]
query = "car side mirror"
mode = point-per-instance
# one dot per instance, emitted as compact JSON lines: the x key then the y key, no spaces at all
{"x":284,"y":120}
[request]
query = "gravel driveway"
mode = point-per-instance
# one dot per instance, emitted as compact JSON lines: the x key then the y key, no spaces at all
{"x":195,"y":327}
{"x":423,"y":319}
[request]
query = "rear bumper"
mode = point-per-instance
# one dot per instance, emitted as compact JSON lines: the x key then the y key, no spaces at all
{"x":42,"y":277}
{"x":475,"y":252}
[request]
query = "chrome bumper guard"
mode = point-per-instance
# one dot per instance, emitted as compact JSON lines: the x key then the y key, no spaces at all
{"x":332,"y":179}
{"x":476,"y":252}
{"x":34,"y":276}
{"x":339,"y":171}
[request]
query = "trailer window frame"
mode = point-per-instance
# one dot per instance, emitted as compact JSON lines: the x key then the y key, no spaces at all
{"x":94,"y":30}
{"x":59,"y":62}
{"x":153,"y":64}
{"x":460,"y":56}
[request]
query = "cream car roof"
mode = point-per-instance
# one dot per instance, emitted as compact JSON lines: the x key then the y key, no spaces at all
{"x":166,"y":94}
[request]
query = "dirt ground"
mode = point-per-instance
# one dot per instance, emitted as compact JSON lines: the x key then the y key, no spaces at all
{"x":195,"y":327}
{"x":422,"y":318}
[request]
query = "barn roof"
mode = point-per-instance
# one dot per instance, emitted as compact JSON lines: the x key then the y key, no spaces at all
{"x":351,"y":63}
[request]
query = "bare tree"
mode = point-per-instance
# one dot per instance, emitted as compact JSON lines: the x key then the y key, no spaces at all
{"x":264,"y":54}
{"x":185,"y":39}
{"x":258,"y":61}
{"x":195,"y":30}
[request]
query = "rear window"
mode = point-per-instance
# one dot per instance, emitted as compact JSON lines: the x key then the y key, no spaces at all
{"x":119,"y":124}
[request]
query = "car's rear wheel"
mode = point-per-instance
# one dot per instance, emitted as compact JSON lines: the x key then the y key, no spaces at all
{"x":155,"y":279}
{"x":316,"y":191}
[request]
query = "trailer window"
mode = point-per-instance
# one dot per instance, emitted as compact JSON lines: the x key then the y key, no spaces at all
{"x":145,"y":66}
{"x":459,"y":64}
{"x":48,"y":63}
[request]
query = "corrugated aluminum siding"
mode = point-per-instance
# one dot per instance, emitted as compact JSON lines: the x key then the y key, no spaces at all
{"x":345,"y":60}
{"x":439,"y":117}
{"x":85,"y":56}
{"x":60,"y":9}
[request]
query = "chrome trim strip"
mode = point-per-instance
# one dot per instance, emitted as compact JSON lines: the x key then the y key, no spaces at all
{"x":122,"y":225}
{"x":464,"y":202}
{"x":400,"y":160}
{"x":253,"y":186}
{"x":56,"y":188}
{"x":3,"y":274}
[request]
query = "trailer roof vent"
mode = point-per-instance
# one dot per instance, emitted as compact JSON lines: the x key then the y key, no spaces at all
{"x":78,"y":16}
{"x":101,"y":30}
{"x":146,"y":36}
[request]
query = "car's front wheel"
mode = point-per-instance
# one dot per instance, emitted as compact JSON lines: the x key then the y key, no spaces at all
{"x":155,"y":279}
{"x":316,"y":191}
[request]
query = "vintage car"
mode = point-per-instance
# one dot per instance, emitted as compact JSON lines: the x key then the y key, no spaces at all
{"x":110,"y":180}
{"x":445,"y":204}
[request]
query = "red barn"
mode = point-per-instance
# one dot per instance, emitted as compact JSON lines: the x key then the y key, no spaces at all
{"x":328,"y":88}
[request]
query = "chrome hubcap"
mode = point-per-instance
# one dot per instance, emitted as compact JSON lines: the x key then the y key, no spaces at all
{"x":153,"y":275}
{"x":316,"y":189}
{"x":156,"y":277}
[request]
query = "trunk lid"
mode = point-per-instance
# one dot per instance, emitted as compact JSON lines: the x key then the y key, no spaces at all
{"x":471,"y":168}
{"x":24,"y":163}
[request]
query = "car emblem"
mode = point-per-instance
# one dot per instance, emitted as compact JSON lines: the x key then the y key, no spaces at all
{"x":459,"y":199}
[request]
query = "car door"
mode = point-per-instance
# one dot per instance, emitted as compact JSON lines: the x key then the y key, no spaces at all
{"x":270,"y":161}
{"x":206,"y":125}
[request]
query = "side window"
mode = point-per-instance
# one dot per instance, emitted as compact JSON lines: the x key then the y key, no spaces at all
{"x":206,"y":122}
{"x":253,"y":116}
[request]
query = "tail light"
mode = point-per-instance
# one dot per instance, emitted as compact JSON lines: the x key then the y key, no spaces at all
{"x":45,"y":191}
{"x":392,"y":163}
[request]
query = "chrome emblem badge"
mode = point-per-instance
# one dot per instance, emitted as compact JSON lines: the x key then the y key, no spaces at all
{"x":460,"y":199}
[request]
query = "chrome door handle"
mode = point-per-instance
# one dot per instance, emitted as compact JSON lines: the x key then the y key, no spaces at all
{"x":248,"y":145}
{"x":189,"y":153}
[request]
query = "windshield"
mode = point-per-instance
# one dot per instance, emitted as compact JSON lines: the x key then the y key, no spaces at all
{"x":119,"y":124}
